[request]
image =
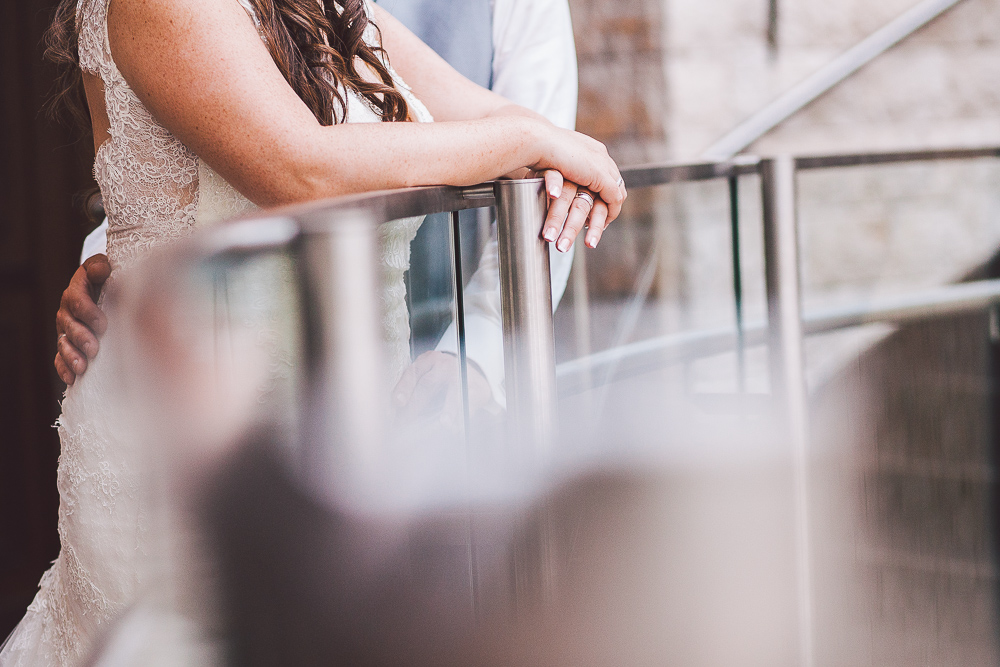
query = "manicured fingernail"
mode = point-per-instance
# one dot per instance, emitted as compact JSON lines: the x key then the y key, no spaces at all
{"x":592,"y":242}
{"x":76,"y":365}
{"x":550,"y":234}
{"x":563,"y":245}
{"x":555,"y":190}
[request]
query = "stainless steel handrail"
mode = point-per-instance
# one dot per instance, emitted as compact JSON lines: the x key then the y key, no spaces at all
{"x":279,"y":226}
{"x":893,"y":157}
{"x":649,"y":175}
{"x":282,"y":225}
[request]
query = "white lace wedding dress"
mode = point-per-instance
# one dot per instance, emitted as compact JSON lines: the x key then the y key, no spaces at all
{"x":155,"y":191}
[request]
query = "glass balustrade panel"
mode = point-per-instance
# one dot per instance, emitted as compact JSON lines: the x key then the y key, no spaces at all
{"x":648,"y":325}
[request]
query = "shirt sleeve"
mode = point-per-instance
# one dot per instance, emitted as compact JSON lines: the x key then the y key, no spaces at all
{"x":483,"y":322}
{"x":96,"y":242}
{"x":534,"y":57}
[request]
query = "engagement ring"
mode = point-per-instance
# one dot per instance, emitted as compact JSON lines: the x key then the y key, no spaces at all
{"x":583,"y":194}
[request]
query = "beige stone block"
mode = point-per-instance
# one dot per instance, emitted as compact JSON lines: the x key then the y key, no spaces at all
{"x":969,"y":22}
{"x":839,"y":24}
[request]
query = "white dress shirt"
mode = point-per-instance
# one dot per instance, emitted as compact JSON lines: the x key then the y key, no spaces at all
{"x":534,"y":65}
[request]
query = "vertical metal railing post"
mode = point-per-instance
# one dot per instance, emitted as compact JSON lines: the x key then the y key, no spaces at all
{"x":526,"y":303}
{"x":787,"y":362}
{"x":734,"y":231}
{"x":344,"y":398}
{"x":529,"y":364}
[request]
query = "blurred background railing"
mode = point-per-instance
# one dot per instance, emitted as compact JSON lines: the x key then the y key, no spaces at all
{"x":845,"y":294}
{"x":728,"y":322}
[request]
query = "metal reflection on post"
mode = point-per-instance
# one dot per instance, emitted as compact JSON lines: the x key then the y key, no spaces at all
{"x":344,"y":394}
{"x":526,"y":301}
{"x":787,"y":361}
{"x":529,"y":364}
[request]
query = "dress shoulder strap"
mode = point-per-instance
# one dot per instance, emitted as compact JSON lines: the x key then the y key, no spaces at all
{"x":92,"y":28}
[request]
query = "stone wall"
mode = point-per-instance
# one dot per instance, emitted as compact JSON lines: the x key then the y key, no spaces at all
{"x":663,"y":79}
{"x":622,"y":77}
{"x":938,"y":88}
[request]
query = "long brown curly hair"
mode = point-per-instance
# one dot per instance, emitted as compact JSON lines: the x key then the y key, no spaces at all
{"x":315,"y":44}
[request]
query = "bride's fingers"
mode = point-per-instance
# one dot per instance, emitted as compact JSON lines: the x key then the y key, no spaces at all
{"x":578,"y":213}
{"x":553,"y":183}
{"x":598,"y":223}
{"x":558,"y":210}
{"x":613,"y":192}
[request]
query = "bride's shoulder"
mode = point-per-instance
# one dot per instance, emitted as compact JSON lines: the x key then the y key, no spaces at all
{"x":168,"y":7}
{"x":135,"y":16}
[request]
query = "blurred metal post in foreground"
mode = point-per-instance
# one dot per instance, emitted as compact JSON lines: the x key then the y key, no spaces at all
{"x":787,"y":363}
{"x":526,"y":298}
{"x":344,"y":404}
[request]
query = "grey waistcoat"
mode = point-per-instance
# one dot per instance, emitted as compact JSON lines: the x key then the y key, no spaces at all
{"x":461,"y":31}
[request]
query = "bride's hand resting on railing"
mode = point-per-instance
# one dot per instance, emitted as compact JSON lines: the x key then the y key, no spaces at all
{"x":585,"y":187}
{"x":571,"y":209}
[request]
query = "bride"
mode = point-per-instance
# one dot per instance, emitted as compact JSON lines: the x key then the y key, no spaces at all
{"x":203,"y":109}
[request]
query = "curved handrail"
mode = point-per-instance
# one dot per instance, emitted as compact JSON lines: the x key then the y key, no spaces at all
{"x":279,"y":226}
{"x":642,"y":356}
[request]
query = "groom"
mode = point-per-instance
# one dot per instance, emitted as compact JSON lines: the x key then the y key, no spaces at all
{"x":521,"y":49}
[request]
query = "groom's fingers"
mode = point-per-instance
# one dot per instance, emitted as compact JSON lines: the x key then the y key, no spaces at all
{"x":78,"y":303}
{"x":79,"y":335}
{"x":65,"y":374}
{"x":71,"y":357}
{"x":97,"y":270}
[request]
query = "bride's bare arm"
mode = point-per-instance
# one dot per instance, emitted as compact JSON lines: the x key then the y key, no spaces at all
{"x":203,"y":72}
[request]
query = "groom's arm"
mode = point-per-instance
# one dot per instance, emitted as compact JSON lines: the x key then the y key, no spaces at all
{"x":79,"y":321}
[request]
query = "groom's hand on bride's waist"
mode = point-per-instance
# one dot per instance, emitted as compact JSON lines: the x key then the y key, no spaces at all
{"x":79,"y":322}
